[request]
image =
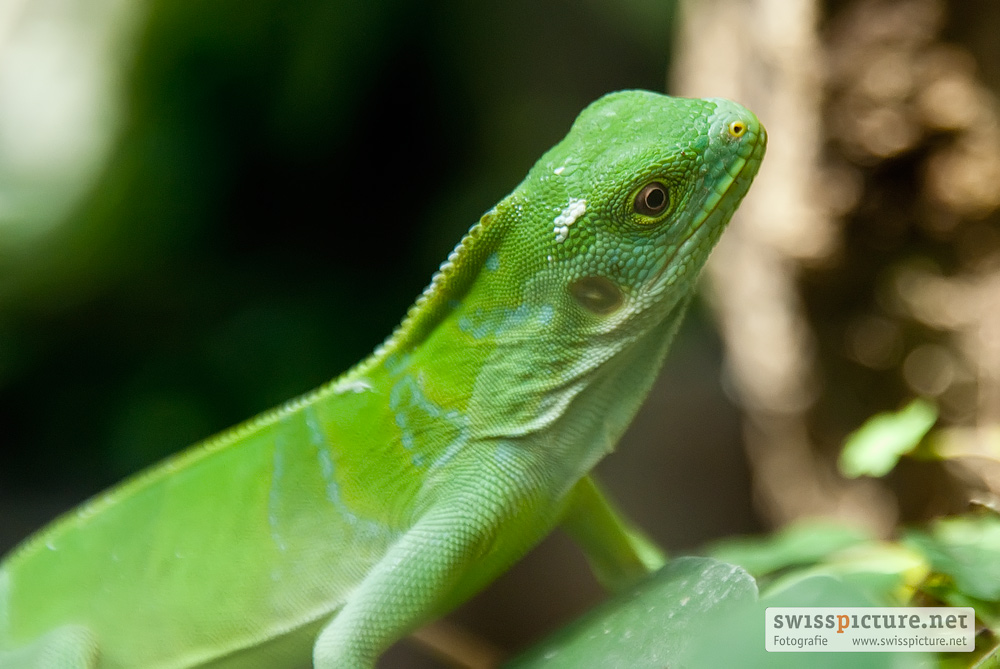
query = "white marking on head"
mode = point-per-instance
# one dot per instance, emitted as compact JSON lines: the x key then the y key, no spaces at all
{"x":574,"y":209}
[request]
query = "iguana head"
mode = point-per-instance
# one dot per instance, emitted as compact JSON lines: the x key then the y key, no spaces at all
{"x":624,"y":211}
{"x":584,"y":270}
{"x":559,"y":305}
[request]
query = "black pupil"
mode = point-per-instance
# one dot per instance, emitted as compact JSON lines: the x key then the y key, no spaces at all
{"x":655,"y":197}
{"x":652,"y":199}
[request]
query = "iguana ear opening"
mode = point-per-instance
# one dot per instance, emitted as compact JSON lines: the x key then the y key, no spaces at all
{"x":597,"y":294}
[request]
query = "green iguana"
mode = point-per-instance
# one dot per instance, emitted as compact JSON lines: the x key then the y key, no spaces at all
{"x":332,"y":526}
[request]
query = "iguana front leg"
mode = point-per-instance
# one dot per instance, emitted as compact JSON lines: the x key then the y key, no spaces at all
{"x":618,"y":553}
{"x":448,"y":554}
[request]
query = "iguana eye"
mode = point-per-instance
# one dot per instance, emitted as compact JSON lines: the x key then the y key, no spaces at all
{"x":652,"y":200}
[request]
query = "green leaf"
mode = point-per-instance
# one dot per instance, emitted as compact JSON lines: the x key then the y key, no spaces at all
{"x":738,"y":641}
{"x":966,"y":548}
{"x":886,"y":573}
{"x":800,"y":544}
{"x":875,"y":447}
{"x":653,"y":625}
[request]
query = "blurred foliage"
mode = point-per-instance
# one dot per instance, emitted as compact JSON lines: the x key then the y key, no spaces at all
{"x":875,"y":447}
{"x":953,"y":561}
{"x":698,"y":612}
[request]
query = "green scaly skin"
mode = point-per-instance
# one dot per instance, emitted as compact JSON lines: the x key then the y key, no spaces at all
{"x":332,"y":526}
